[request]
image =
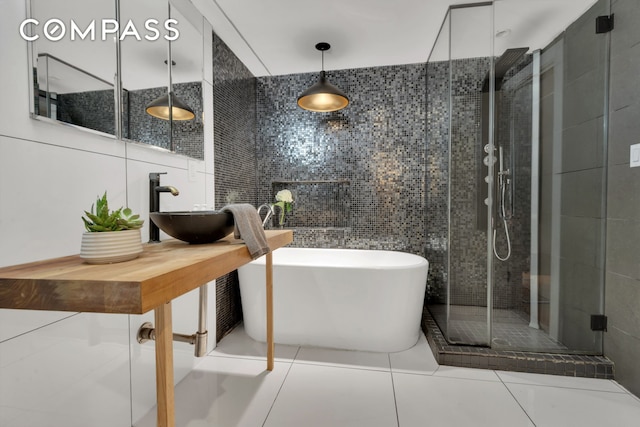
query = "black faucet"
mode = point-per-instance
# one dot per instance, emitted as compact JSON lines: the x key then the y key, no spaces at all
{"x":154,"y":201}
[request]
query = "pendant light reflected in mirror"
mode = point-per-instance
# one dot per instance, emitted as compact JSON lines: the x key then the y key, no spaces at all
{"x":323,"y":97}
{"x":169,"y":106}
{"x":160,"y":108}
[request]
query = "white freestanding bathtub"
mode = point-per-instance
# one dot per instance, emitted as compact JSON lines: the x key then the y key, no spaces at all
{"x":338,"y":298}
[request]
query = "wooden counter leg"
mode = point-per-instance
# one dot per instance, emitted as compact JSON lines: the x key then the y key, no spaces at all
{"x":270,"y":346}
{"x":164,"y":365}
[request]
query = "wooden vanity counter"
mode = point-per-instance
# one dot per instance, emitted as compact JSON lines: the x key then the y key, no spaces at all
{"x":163,"y":271}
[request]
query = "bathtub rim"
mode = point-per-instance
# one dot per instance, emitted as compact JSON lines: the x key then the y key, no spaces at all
{"x":421,"y":261}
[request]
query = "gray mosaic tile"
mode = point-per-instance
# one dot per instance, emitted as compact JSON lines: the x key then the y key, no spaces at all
{"x":360,"y":169}
{"x":234,"y":160}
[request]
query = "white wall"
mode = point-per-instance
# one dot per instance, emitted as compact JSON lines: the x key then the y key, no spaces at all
{"x":77,"y":369}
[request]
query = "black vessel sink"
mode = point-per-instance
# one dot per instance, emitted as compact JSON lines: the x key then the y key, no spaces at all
{"x":194,"y":226}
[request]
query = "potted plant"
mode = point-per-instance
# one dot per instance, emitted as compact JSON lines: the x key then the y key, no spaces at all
{"x":110,"y":236}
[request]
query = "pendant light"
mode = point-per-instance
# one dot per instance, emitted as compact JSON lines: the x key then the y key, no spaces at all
{"x":170,"y":107}
{"x":323,"y":97}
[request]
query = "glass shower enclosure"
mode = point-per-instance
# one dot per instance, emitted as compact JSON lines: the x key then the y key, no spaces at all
{"x":517,"y":175}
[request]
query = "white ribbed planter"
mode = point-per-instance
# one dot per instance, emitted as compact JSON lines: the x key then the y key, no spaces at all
{"x":110,"y":246}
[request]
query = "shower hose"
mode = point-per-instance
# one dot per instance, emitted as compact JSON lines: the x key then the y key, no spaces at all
{"x":503,"y":215}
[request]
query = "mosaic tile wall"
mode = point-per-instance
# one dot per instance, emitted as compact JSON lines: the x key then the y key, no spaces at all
{"x":234,"y":108}
{"x":234,"y":128}
{"x":321,"y":204}
{"x":376,"y":144}
{"x":188,"y":136}
{"x":437,"y":171}
{"x":80,"y":109}
{"x":468,"y":244}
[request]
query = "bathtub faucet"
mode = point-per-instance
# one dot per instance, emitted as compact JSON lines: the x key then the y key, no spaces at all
{"x":269,"y":214}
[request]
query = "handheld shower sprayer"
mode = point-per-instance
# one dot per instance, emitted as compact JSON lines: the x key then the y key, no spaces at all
{"x":503,"y":181}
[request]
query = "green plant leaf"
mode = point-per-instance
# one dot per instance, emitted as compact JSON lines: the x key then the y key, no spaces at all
{"x":93,"y":217}
{"x":101,"y":219}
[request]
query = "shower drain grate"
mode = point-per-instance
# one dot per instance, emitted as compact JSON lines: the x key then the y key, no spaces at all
{"x":500,"y":341}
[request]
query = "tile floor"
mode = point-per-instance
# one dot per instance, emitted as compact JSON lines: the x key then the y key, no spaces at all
{"x":334,"y":388}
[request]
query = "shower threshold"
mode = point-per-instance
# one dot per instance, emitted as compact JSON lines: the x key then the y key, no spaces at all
{"x":511,"y":331}
{"x":575,"y":365}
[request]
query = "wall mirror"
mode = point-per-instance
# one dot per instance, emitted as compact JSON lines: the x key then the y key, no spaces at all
{"x":161,"y":66}
{"x":73,"y":81}
{"x":75,"y":71}
{"x":186,"y":77}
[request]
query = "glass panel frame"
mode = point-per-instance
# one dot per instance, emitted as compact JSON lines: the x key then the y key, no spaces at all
{"x":437,"y":182}
{"x":470,"y":68}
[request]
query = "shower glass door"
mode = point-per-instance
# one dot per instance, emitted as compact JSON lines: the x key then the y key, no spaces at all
{"x":549,"y":204}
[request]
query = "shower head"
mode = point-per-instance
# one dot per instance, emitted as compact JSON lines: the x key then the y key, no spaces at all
{"x":502,"y":65}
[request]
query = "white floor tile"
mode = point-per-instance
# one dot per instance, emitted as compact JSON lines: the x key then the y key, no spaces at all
{"x":100,"y":399}
{"x":559,"y":381}
{"x":54,"y":377}
{"x":239,"y":344}
{"x":561,"y":407}
{"x":224,"y":391}
{"x":336,"y":388}
{"x":429,"y":400}
{"x":466,"y":373}
{"x":416,"y":360}
{"x":40,"y":417}
{"x":324,"y":396}
{"x":343,"y":358}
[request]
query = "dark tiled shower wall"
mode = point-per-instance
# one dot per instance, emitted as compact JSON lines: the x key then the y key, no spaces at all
{"x":468,"y":273}
{"x":622,"y":290}
{"x":234,"y":159}
{"x":357,"y":175}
